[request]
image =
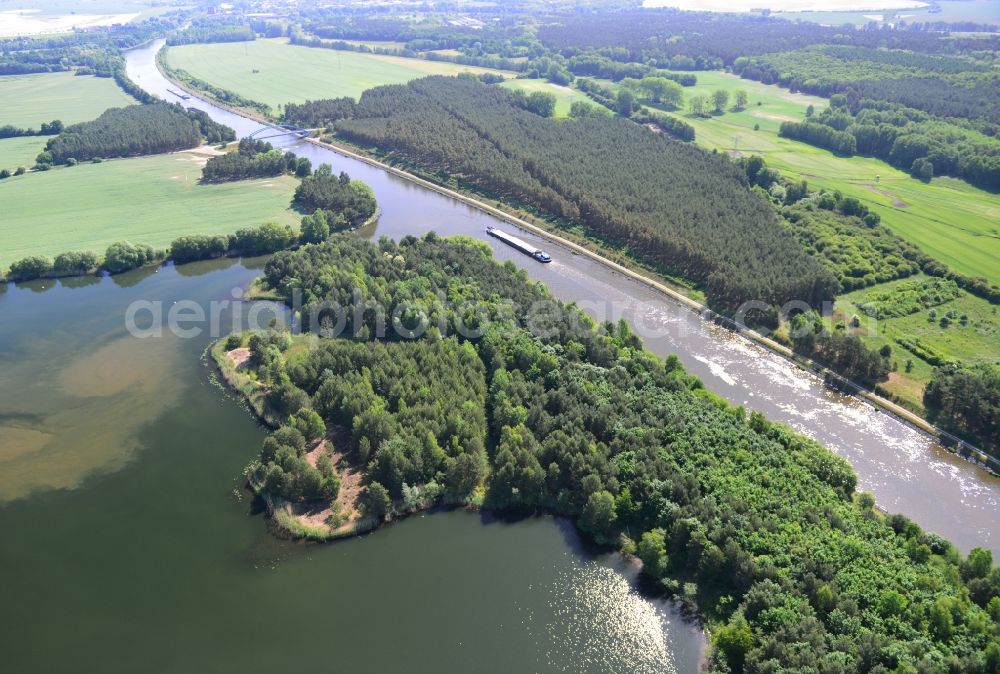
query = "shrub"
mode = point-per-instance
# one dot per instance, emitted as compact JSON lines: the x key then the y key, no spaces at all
{"x":198,"y":247}
{"x":75,"y":263}
{"x":123,"y":256}
{"x":234,"y":341}
{"x":30,"y":268}
{"x":267,"y":238}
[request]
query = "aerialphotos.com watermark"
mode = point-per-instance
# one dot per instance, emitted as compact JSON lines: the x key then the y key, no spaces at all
{"x":365,"y":317}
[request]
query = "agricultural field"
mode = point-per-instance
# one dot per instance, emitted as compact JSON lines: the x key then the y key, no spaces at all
{"x":275,"y":72}
{"x":30,"y":100}
{"x":962,"y":328}
{"x":564,"y":95}
{"x":21,"y":151}
{"x":948,"y":218}
{"x":149,"y":200}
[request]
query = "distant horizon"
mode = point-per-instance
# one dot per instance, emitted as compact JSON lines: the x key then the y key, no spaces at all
{"x":786,"y":5}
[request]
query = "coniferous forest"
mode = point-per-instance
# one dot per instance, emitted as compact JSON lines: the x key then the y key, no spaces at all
{"x":760,"y":526}
{"x":676,"y":206}
{"x":133,"y":131}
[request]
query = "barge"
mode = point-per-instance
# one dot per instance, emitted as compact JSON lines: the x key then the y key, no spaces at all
{"x":518,"y":244}
{"x":180,"y":94}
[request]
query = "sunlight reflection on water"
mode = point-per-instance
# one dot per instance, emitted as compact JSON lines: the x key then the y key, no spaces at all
{"x":595,"y":599}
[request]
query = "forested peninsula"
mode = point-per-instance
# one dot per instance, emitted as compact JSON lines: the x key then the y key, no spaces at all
{"x":469,"y":401}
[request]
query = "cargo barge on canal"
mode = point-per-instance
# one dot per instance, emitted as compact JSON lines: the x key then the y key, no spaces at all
{"x":520,"y":245}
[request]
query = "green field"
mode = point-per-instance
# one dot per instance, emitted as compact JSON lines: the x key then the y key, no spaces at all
{"x":30,"y":100}
{"x":291,"y":74}
{"x":148,"y":200}
{"x":564,"y":95}
{"x":976,"y":341}
{"x":949,"y":219}
{"x":22,"y":151}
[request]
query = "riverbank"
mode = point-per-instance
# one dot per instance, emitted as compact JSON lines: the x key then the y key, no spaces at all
{"x":313,"y":522}
{"x":951,"y":442}
{"x":631,"y":269}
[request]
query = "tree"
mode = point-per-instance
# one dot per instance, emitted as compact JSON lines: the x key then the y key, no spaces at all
{"x":375,"y":501}
{"x":697,"y":105}
{"x":75,"y":263}
{"x":741,"y":98}
{"x":541,"y":103}
{"x":734,"y":640}
{"x":198,"y":247}
{"x":598,"y":515}
{"x":339,"y":195}
{"x":30,"y":268}
{"x":625,"y":102}
{"x":923,"y":169}
{"x":866,"y":501}
{"x":466,"y":472}
{"x":652,"y":550}
{"x":315,"y":228}
{"x":978,"y":564}
{"x":123,"y":256}
{"x":266,"y":238}
{"x":891,"y":603}
{"x":583,"y":109}
{"x":663,"y":91}
{"x":309,"y":424}
{"x":719,"y":99}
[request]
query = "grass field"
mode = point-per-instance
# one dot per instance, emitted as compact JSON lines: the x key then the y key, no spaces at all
{"x":977,"y":341}
{"x":16,"y":152}
{"x":29,"y":100}
{"x":291,"y":74}
{"x":148,"y":200}
{"x":949,"y":219}
{"x":564,"y":95}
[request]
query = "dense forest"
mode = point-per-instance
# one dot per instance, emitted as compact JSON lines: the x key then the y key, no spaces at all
{"x":944,"y":86}
{"x":904,"y":137}
{"x":337,"y":195}
{"x":323,"y":112}
{"x":759,"y":526}
{"x":703,"y":41}
{"x":297,"y":37}
{"x":132,"y":131}
{"x":859,"y":254}
{"x":212,"y":31}
{"x":849,"y":240}
{"x":686,"y":211}
{"x":253,"y":159}
{"x":840,"y":351}
{"x":966,"y":401}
